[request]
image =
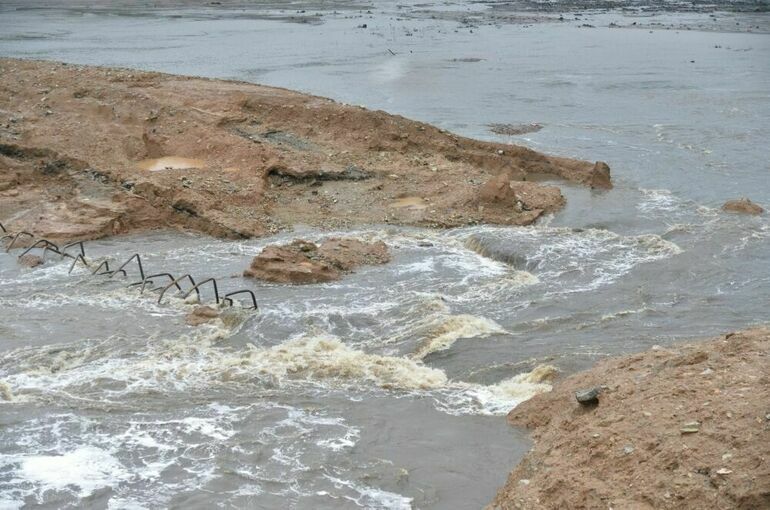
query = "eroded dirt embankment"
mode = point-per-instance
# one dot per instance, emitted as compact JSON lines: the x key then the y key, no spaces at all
{"x":685,"y":427}
{"x":87,"y":152}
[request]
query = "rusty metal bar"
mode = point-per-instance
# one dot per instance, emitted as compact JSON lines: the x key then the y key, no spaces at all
{"x":147,"y":280}
{"x":80,"y":258}
{"x":106,"y":265}
{"x":207,"y":280}
{"x":15,"y":238}
{"x":227,"y":298}
{"x":47,"y":245}
{"x":138,"y":261}
{"x":70,"y":245}
{"x":176,"y":282}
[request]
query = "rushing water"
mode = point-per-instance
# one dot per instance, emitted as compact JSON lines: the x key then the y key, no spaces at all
{"x":388,"y":389}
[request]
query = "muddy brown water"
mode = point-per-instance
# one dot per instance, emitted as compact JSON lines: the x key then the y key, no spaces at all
{"x":388,"y":389}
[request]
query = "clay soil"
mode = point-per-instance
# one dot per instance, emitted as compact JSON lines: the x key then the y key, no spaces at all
{"x":685,"y":427}
{"x":87,"y":152}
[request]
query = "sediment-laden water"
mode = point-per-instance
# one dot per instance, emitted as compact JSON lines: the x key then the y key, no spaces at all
{"x":388,"y":389}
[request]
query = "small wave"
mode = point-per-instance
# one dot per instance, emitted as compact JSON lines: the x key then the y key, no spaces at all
{"x":371,"y":498}
{"x":499,"y":398}
{"x":326,"y":357}
{"x":571,"y":260}
{"x":485,"y":248}
{"x":659,"y":201}
{"x":454,"y":327}
{"x":88,"y":468}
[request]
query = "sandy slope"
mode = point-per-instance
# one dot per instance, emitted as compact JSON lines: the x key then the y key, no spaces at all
{"x":75,"y":140}
{"x":638,"y":449}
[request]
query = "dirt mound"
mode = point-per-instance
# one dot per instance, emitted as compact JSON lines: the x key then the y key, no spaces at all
{"x":87,"y":152}
{"x":303,"y":262}
{"x":681,"y":428}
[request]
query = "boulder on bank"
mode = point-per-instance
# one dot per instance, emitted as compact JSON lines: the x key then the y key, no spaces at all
{"x":743,"y":206}
{"x":304,"y":262}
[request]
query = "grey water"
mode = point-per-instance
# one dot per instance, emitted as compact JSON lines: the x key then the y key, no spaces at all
{"x":389,"y":389}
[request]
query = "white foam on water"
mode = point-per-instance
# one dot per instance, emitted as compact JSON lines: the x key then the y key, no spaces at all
{"x":114,"y":299}
{"x":571,"y":260}
{"x":499,"y":398}
{"x":659,"y":202}
{"x":452,"y":328}
{"x":88,"y":468}
{"x":326,"y":357}
{"x":502,"y":287}
{"x":6,"y":503}
{"x":372,"y":498}
{"x":192,"y":362}
{"x":6,"y":395}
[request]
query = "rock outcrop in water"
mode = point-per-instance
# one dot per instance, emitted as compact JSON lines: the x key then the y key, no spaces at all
{"x":30,"y":260}
{"x":89,"y":152}
{"x":201,"y":315}
{"x":684,"y":427}
{"x":303,"y":262}
{"x":743,"y":206}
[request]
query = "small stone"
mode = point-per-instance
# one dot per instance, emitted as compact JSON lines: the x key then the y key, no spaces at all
{"x":588,"y":397}
{"x":723,"y":471}
{"x":690,"y":427}
{"x":727,"y":456}
{"x":628,"y":449}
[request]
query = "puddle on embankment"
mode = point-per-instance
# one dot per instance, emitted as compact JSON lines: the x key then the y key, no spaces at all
{"x":414,"y":203}
{"x":170,"y":163}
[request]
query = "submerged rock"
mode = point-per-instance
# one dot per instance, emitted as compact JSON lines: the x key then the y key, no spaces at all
{"x":742,"y":205}
{"x":201,"y":315}
{"x":30,"y":260}
{"x":303,"y":262}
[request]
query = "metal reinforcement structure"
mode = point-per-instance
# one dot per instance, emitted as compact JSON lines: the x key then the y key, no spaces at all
{"x":184,"y":285}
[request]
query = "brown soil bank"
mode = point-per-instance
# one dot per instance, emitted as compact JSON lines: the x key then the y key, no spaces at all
{"x":677,"y":428}
{"x":87,"y":152}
